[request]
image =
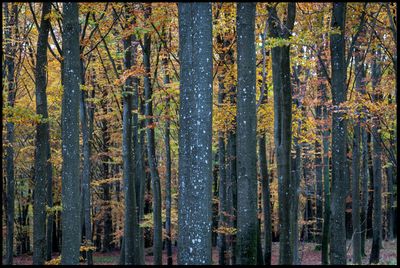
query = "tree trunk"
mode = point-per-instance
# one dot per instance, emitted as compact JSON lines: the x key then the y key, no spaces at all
{"x":339,"y":134}
{"x":71,"y":212}
{"x":377,"y":165}
{"x":42,"y":141}
{"x":356,"y":196}
{"x":246,"y":136}
{"x":231,"y":187}
{"x":168,"y":198}
{"x":195,"y":134}
{"x":222,"y":183}
{"x":266,"y":199}
{"x":356,"y":215}
{"x":130,"y":224}
{"x":9,"y":64}
{"x":155,"y":178}
{"x":86,"y":175}
{"x":318,"y":176}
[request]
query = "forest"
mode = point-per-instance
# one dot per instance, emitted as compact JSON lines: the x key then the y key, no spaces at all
{"x":199,"y":133}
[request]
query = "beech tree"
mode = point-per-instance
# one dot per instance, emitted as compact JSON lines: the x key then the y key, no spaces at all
{"x":71,"y":201}
{"x":195,"y":113}
{"x":339,"y":132}
{"x":246,"y":137}
{"x":42,"y":141}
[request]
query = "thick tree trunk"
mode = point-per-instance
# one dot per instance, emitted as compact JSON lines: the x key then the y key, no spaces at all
{"x":195,"y":134}
{"x":282,"y":131}
{"x":71,"y":211}
{"x":9,"y":64}
{"x":246,"y":249}
{"x":42,"y":141}
{"x":339,"y":137}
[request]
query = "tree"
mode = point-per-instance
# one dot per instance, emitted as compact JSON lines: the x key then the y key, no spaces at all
{"x":42,"y":141}
{"x":71,"y":201}
{"x":130,"y":223}
{"x":283,"y":129}
{"x":8,"y":71}
{"x":195,"y":121}
{"x":377,"y":163}
{"x":155,"y":178}
{"x":246,"y":136}
{"x":339,"y":134}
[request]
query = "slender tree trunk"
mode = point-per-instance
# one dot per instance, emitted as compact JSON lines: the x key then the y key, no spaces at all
{"x":266,"y":199}
{"x":9,"y":64}
{"x":155,"y":178}
{"x":86,"y":136}
{"x":318,"y":176}
{"x":42,"y":141}
{"x":130,"y":225}
{"x":339,"y":134}
{"x":195,"y":134}
{"x":377,"y":166}
{"x":356,"y":196}
{"x":390,"y":203}
{"x":356,"y":215}
{"x":71,"y":216}
{"x":231,"y":187}
{"x":222,"y":183}
{"x":246,"y":136}
{"x":168,"y":199}
{"x":49,"y":201}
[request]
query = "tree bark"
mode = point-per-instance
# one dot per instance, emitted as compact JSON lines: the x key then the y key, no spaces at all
{"x":168,"y":198}
{"x":246,"y":248}
{"x":155,"y":178}
{"x":266,"y":199}
{"x":195,"y":134}
{"x":11,"y":20}
{"x":130,"y":224}
{"x":377,"y":165}
{"x":71,"y":216}
{"x":339,"y":134}
{"x":282,"y":129}
{"x":42,"y":141}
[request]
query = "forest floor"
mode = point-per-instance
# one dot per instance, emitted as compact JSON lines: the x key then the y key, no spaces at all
{"x":307,"y":253}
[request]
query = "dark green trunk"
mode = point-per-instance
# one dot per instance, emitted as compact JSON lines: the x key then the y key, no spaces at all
{"x":71,"y":207}
{"x":195,"y":134}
